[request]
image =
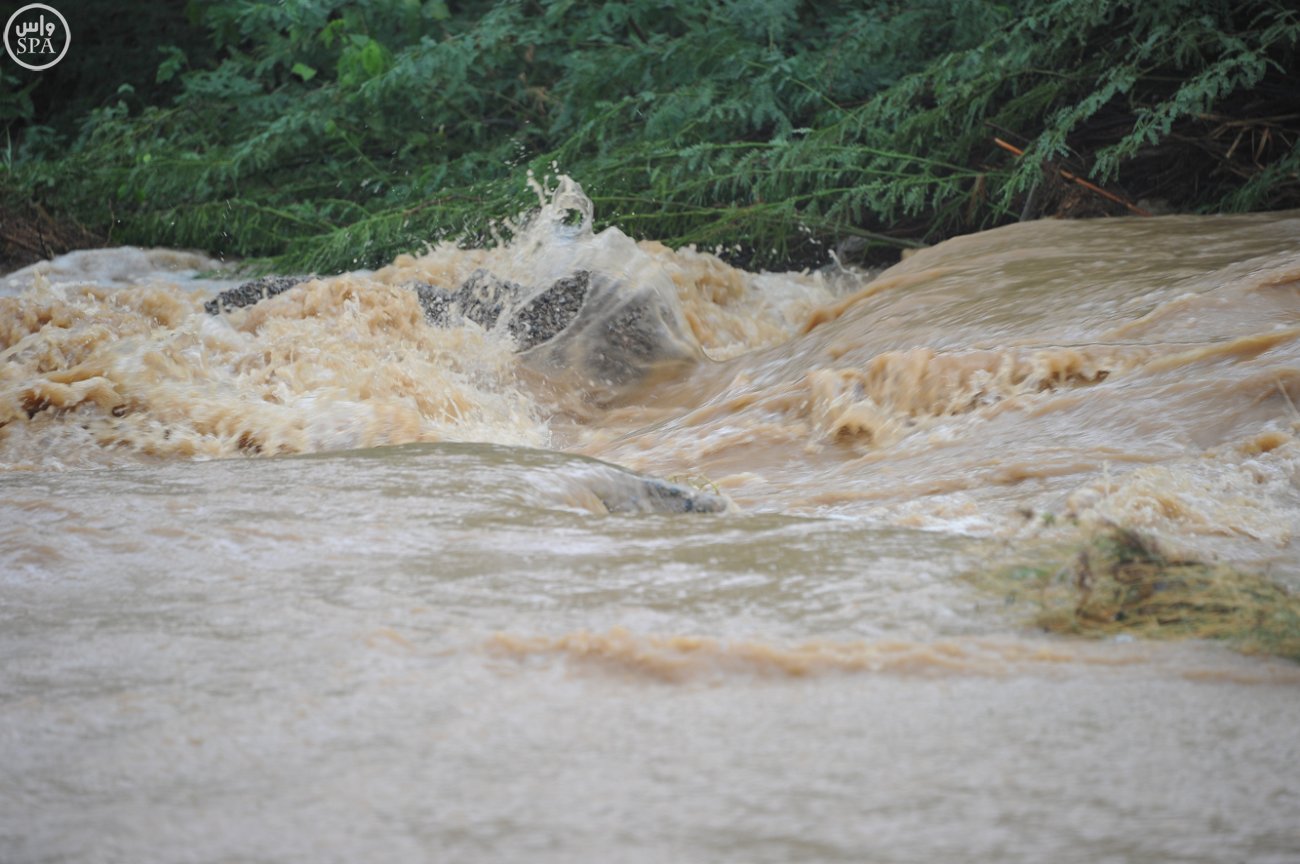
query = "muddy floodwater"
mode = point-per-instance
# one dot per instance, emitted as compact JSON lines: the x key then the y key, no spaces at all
{"x":692,"y":576}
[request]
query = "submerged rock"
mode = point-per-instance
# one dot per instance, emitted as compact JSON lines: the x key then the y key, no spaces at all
{"x":662,"y":496}
{"x":606,"y":331}
{"x":623,"y":492}
{"x":253,"y":292}
{"x":630,"y":342}
{"x":621,"y":335}
{"x":1119,"y":583}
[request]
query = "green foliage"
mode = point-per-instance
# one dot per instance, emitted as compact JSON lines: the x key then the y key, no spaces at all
{"x":332,"y":134}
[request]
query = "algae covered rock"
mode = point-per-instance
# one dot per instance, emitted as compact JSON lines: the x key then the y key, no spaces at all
{"x":1119,"y":582}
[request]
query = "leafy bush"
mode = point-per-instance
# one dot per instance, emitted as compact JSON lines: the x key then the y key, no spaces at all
{"x":332,"y":134}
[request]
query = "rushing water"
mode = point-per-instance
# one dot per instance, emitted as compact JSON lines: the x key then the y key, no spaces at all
{"x":319,"y":581}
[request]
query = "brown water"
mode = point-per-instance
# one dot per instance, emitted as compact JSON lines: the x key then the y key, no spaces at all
{"x":317,"y":581}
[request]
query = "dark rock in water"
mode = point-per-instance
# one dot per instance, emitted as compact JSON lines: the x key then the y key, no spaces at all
{"x":664,"y":497}
{"x":435,"y":301}
{"x":622,"y":334}
{"x":547,"y":314}
{"x":630,"y":344}
{"x":624,"y":492}
{"x":611,"y":333}
{"x":483,"y":296}
{"x":252,"y":292}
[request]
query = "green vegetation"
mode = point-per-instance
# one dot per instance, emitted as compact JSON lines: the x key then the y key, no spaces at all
{"x":333,"y":134}
{"x":1119,"y":582}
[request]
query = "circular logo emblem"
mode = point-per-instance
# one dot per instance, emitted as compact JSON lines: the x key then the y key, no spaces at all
{"x":37,"y":36}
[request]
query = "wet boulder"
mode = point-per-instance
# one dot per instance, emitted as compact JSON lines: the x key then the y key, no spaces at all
{"x":621,"y":335}
{"x":252,"y":292}
{"x":621,"y":492}
{"x":607,"y":333}
{"x":663,"y":496}
{"x":484,"y":296}
{"x":604,"y":330}
{"x":437,"y":302}
{"x":532,"y":316}
{"x":550,"y":311}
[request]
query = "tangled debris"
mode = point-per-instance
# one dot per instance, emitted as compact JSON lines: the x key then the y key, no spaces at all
{"x":1119,"y":582}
